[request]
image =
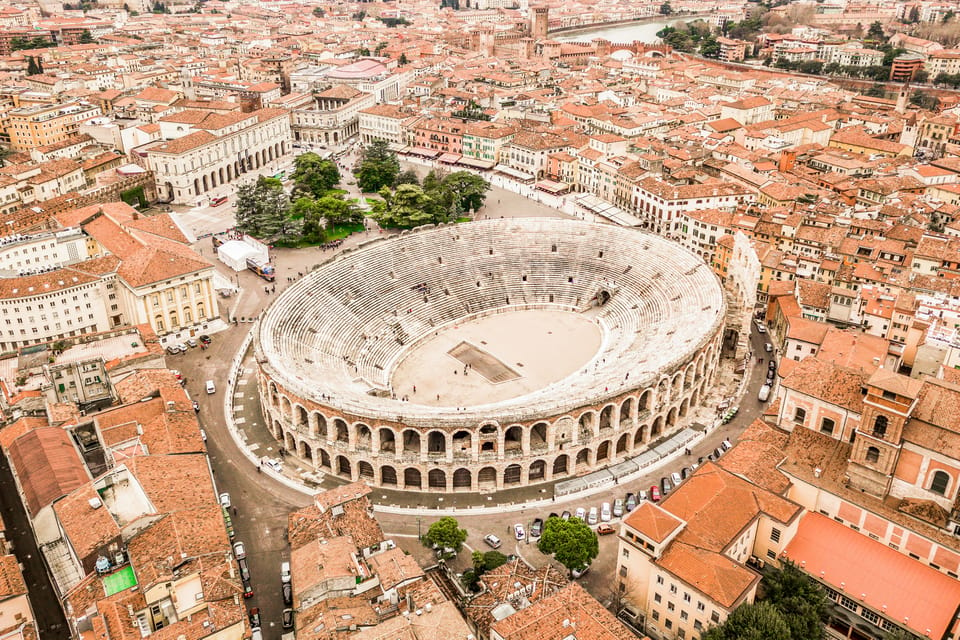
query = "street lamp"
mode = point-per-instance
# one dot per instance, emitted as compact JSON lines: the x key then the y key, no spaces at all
{"x":418,"y":529}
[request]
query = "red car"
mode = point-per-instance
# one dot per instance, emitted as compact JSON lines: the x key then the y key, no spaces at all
{"x":605,"y":530}
{"x":655,"y":493}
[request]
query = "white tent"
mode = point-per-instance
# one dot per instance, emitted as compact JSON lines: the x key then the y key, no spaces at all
{"x":234,"y":254}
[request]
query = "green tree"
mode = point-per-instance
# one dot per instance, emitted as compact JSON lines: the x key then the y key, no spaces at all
{"x":86,"y":37}
{"x":313,"y":175}
{"x":262,"y":210}
{"x":378,"y":167}
{"x":572,"y":543}
{"x":403,"y":60}
{"x":337,"y":211}
{"x":446,"y":533}
{"x":407,"y":207}
{"x":811,"y":66}
{"x":407,"y":177}
{"x":914,"y":16}
{"x":948,"y":16}
{"x":493,"y":559}
{"x":890,"y":54}
{"x":801,"y":601}
{"x":758,"y":621}
{"x":32,"y":67}
{"x":710,"y":47}
{"x":921,"y":76}
{"x":666,"y":9}
{"x":875,"y":32}
{"x":312,"y":226}
{"x":471,"y":189}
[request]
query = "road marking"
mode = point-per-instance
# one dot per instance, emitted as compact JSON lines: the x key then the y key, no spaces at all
{"x":239,"y":420}
{"x":254,"y":446}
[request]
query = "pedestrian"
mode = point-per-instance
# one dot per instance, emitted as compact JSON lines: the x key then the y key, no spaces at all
{"x":234,"y":511}
{"x":438,"y":397}
{"x":414,"y":388}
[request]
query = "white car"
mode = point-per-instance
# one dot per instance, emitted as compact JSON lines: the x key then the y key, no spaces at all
{"x":761,"y":328}
{"x":618,"y":507}
{"x":605,"y":512}
{"x":284,"y":572}
{"x":273,"y":464}
{"x":519,"y":532}
{"x":225,"y":500}
{"x":239,"y":550}
{"x":211,"y":387}
{"x":592,"y":516}
{"x":492,"y":540}
{"x":581,"y":513}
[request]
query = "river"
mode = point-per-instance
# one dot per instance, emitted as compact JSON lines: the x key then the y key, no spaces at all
{"x":623,"y":33}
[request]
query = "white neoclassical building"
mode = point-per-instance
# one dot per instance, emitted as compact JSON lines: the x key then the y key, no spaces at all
{"x":202,"y":150}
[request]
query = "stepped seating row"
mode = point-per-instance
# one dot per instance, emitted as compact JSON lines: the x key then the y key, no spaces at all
{"x":348,"y":323}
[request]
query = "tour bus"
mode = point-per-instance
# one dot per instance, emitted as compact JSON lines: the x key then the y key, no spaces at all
{"x":262,"y":269}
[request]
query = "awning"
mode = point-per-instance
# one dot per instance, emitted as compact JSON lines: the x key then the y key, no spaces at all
{"x":396,"y":147}
{"x":423,"y":151}
{"x":513,"y":173}
{"x":449,"y":158}
{"x":476,"y":164}
{"x":551,"y":186}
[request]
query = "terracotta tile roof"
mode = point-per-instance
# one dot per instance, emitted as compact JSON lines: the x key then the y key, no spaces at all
{"x":357,"y":520}
{"x":191,"y":488}
{"x":569,"y":612}
{"x":878,"y":576}
{"x":654,"y":522}
{"x":11,"y":579}
{"x":831,"y":383}
{"x":756,"y":455}
{"x":48,"y":466}
{"x":318,"y":561}
{"x":717,"y":505}
{"x":394,"y":567}
{"x":717,"y":576}
{"x":188,"y":142}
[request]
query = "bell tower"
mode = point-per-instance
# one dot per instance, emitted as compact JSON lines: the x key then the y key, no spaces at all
{"x":889,"y":400}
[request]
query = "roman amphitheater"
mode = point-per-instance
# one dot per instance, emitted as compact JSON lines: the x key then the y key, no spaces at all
{"x":491,"y":354}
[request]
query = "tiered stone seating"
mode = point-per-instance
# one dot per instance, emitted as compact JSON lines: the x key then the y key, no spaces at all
{"x":342,"y":325}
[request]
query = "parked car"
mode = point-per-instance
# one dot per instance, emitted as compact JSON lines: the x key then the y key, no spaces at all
{"x":618,"y":507}
{"x":287,"y":594}
{"x":772,"y":365}
{"x":211,"y":387}
{"x":764,"y":393}
{"x":182,"y":347}
{"x":726,"y":444}
{"x":244,"y":569}
{"x":239,"y":550}
{"x":630,"y":503}
{"x":761,"y":328}
{"x":676,"y":478}
{"x":274,"y":464}
{"x":254,"y":615}
{"x":685,"y":472}
{"x":606,"y":529}
{"x":492,"y":540}
{"x":581,"y":513}
{"x":641,"y":496}
{"x":665,"y":485}
{"x":565,"y":515}
{"x":284,"y":572}
{"x":552,"y":515}
{"x":519,"y":532}
{"x":655,"y":493}
{"x":173,"y":350}
{"x":247,"y":589}
{"x":717,"y":453}
{"x":192,"y":343}
{"x":536,"y":528}
{"x":225,"y":500}
{"x":205,"y":339}
{"x":605,"y":512}
{"x":256,"y":634}
{"x":203,"y":435}
{"x":768,"y":348}
{"x":592,"y":516}
{"x":287,"y":618}
{"x":582,"y":571}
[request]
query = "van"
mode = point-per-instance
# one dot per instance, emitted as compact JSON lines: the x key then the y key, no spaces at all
{"x":677,"y":479}
{"x":764,"y":393}
{"x":211,"y":387}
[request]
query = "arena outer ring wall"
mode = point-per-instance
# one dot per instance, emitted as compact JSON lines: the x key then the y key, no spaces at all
{"x":326,"y":346}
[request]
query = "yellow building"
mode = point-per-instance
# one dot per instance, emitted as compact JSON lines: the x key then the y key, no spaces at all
{"x":40,"y":125}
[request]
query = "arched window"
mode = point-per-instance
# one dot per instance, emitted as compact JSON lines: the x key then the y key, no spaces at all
{"x":873,"y":454}
{"x":799,"y":415}
{"x":827,"y":425}
{"x":880,"y":426}
{"x":939,"y":483}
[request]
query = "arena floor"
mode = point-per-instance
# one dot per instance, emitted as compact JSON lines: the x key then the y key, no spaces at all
{"x":510,"y":354}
